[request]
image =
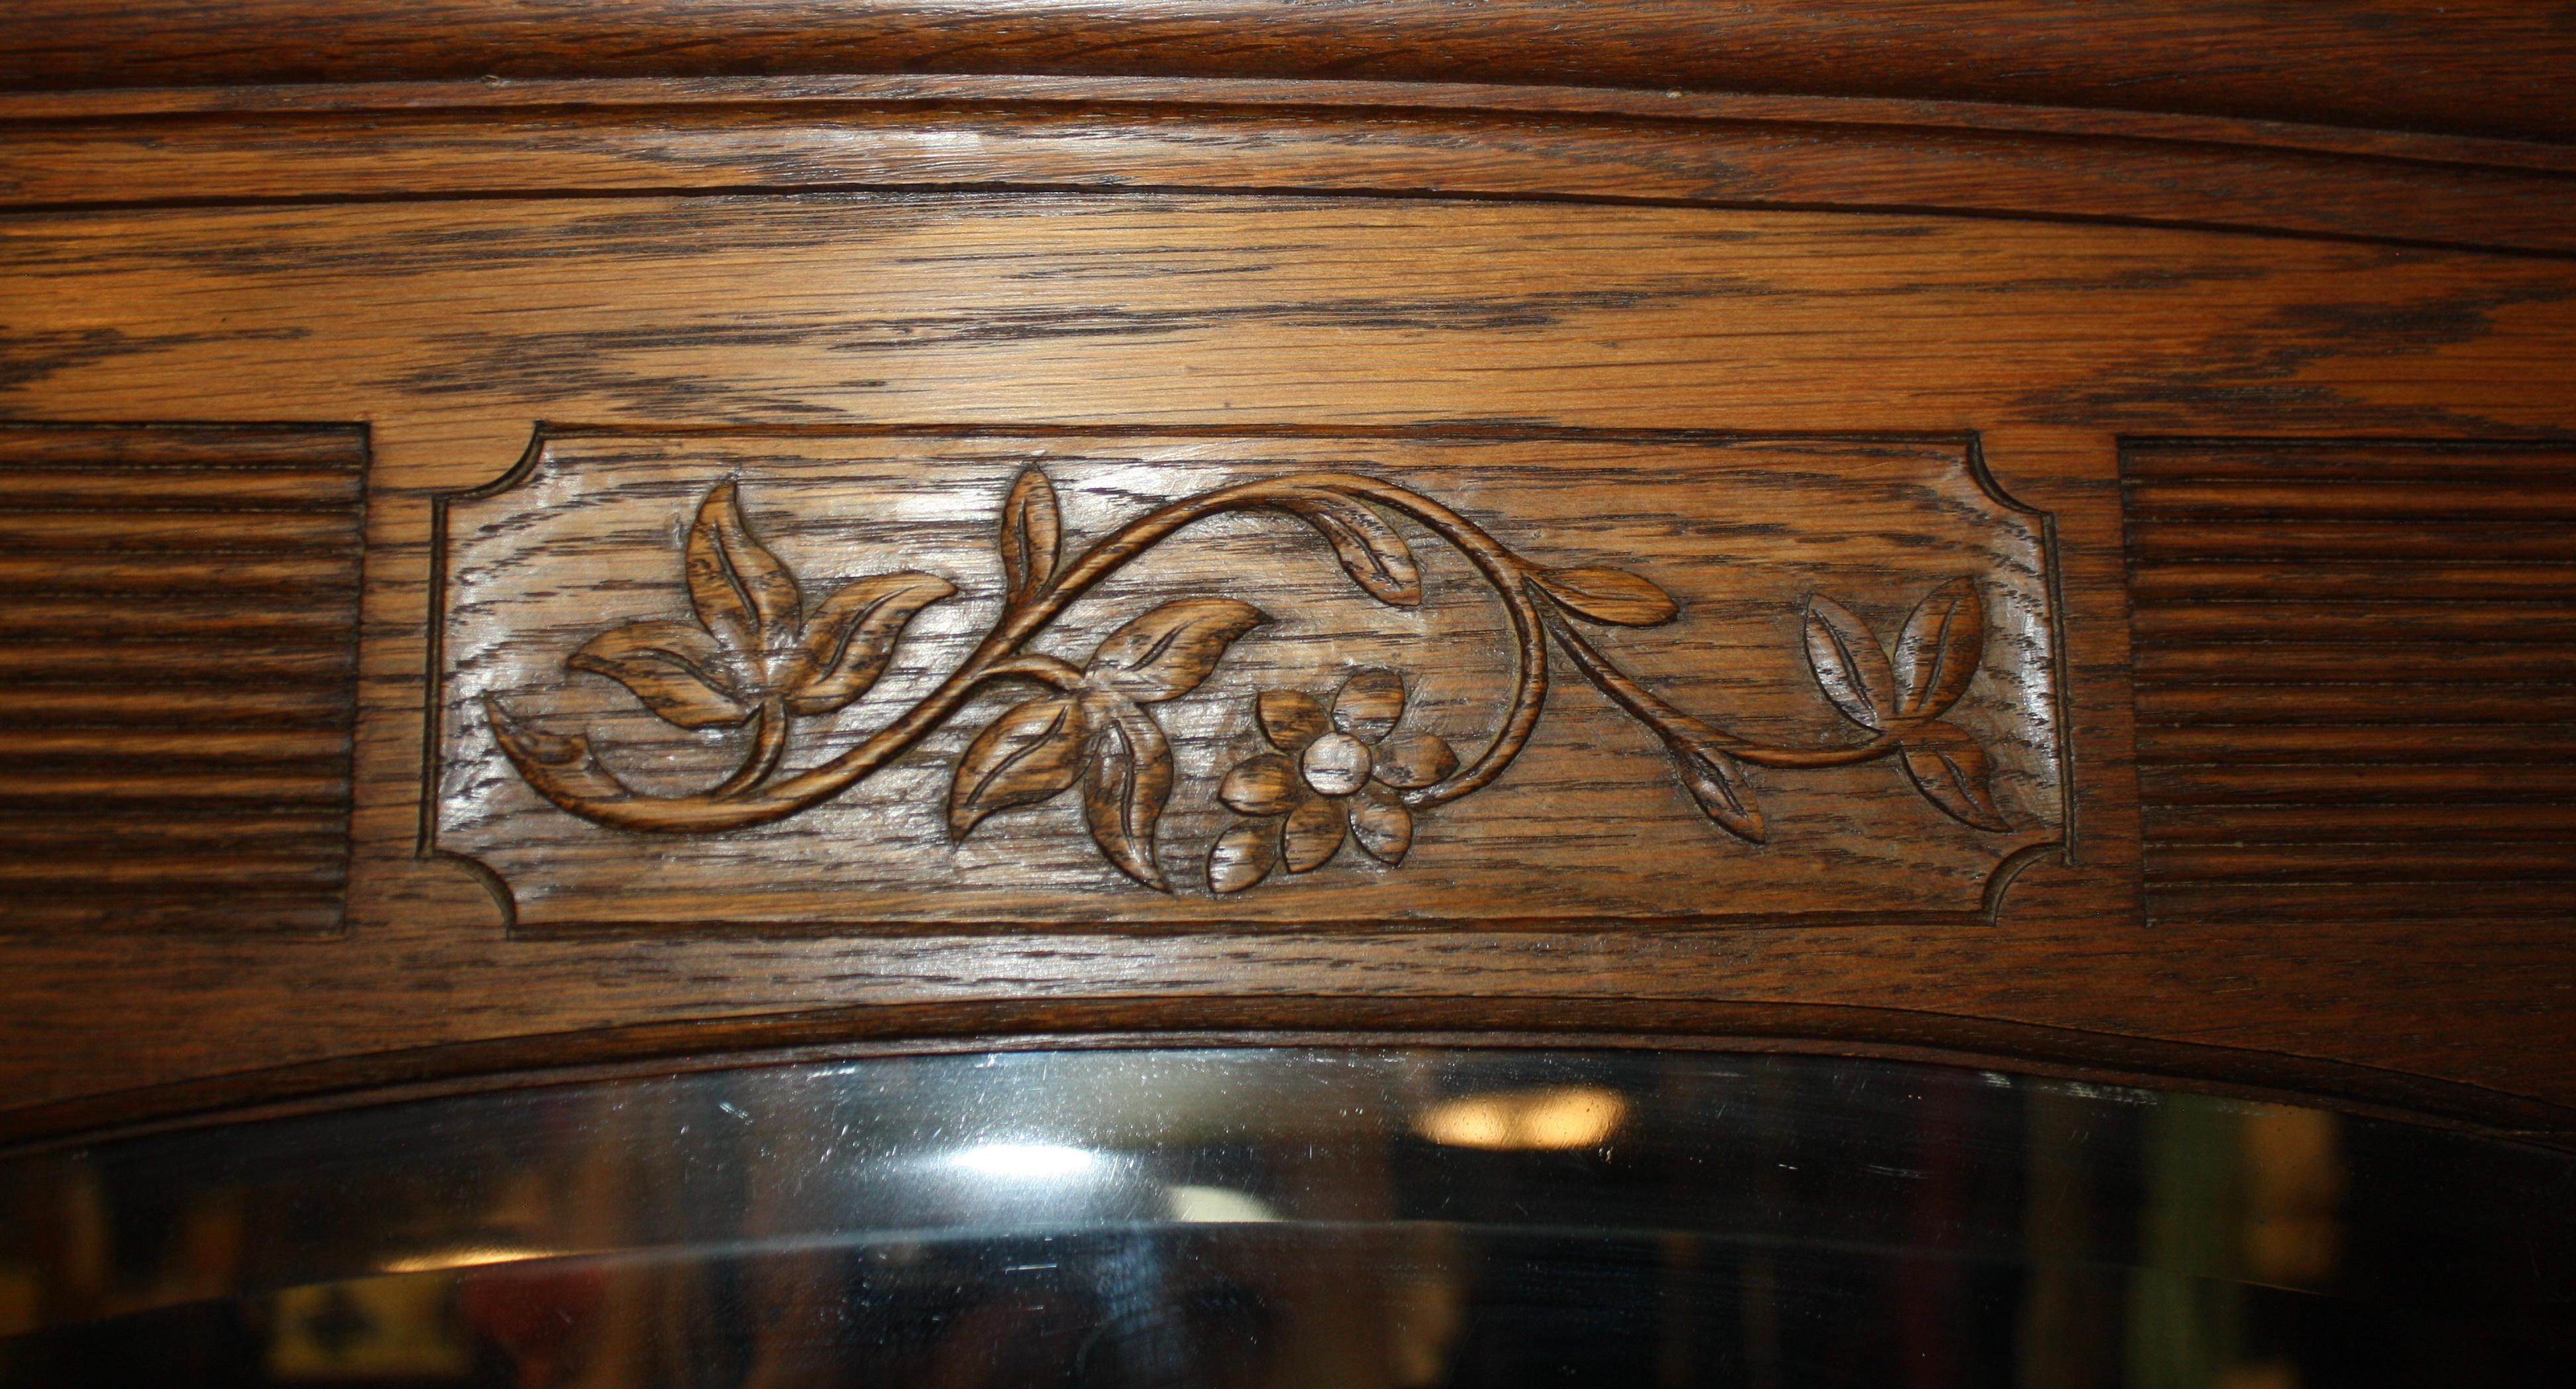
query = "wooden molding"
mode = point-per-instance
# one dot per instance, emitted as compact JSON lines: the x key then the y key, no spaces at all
{"x":1709,"y":406}
{"x":180,"y":674}
{"x":2487,"y":66}
{"x":2351,"y":676}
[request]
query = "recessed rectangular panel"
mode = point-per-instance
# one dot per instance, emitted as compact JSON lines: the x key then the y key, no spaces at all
{"x":1271,"y":682}
{"x":2353,"y":677}
{"x":178,"y":666}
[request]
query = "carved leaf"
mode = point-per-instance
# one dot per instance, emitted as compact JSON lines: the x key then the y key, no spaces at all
{"x":674,"y":667}
{"x":1950,"y":769}
{"x":1382,"y":825}
{"x":1608,"y":595}
{"x":1715,"y":781}
{"x":1376,"y":558}
{"x":1313,"y":833}
{"x":1260,"y":785}
{"x":532,"y":745}
{"x":1369,"y":704}
{"x":742,"y":593}
{"x":1167,"y":652}
{"x":1032,"y":537}
{"x":1243,"y":855}
{"x":1033,"y":751}
{"x":1849,"y":665}
{"x":1290,"y":719}
{"x":1125,"y":787}
{"x":1938,"y":653}
{"x":849,"y":639}
{"x":1415,"y":762}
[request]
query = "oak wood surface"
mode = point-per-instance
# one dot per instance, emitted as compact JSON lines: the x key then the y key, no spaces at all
{"x":2470,"y":65}
{"x":2249,"y":178}
{"x":1745,"y":560}
{"x":197,"y":776}
{"x":452,"y":279}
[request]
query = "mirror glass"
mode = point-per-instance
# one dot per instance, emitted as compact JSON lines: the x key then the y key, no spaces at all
{"x":1297,"y":1217}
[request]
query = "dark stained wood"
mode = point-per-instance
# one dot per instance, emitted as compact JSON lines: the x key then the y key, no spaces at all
{"x":778,"y":284}
{"x":1753,"y":592}
{"x":2418,"y":769}
{"x":2480,"y":65}
{"x":201,"y":784}
{"x":2237,"y":177}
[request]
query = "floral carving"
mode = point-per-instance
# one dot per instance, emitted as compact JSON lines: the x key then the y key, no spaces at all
{"x":1332,"y":772}
{"x":1340,"y":770}
{"x":755,"y":652}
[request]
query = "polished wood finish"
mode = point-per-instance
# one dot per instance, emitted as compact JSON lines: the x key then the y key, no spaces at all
{"x":2152,"y":387}
{"x":181,"y":675}
{"x":1245,"y":678}
{"x":2351,"y":678}
{"x":2490,"y":65}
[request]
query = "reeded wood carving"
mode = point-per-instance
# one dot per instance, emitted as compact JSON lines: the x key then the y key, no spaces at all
{"x":2352,"y":662}
{"x":178,"y":675}
{"x":1306,"y":747}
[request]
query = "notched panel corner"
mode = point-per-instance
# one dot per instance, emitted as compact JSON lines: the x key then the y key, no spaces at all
{"x":1258,"y":680}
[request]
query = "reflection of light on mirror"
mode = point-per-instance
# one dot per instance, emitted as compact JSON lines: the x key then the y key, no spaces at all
{"x":1027,"y":1162}
{"x":1565,"y":1116}
{"x":469,"y":1256}
{"x":1215,"y":1205}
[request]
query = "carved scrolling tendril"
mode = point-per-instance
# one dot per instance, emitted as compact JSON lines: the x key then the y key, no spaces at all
{"x":759,"y":656}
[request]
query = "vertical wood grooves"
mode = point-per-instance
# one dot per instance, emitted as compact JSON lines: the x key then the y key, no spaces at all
{"x":2354,"y":690}
{"x":178,"y":667}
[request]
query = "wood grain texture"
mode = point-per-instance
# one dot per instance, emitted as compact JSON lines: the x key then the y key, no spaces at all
{"x":193,"y":775}
{"x":2380,"y":724}
{"x":1250,"y":283}
{"x":2487,"y":65}
{"x":2238,"y":178}
{"x":1300,"y":704}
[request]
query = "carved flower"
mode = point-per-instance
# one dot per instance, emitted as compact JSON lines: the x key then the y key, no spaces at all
{"x":1332,"y":774}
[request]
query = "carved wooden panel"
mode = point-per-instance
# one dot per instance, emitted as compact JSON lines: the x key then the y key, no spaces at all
{"x":2352,"y":677}
{"x":1274,"y":678}
{"x":178,"y":663}
{"x":1401,"y":315}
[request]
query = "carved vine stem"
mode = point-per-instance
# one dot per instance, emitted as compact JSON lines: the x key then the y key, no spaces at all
{"x":1646,"y":708}
{"x":759,"y":656}
{"x":573,"y":778}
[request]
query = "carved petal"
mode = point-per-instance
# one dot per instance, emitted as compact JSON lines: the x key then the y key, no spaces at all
{"x":1030,"y":753}
{"x":849,"y":639}
{"x":742,"y":593}
{"x":1416,"y":761}
{"x":674,"y":667}
{"x":1243,"y":855}
{"x":1370,"y":703}
{"x":1032,"y":536}
{"x":1125,"y":787}
{"x":1167,"y":652}
{"x":1382,"y":826}
{"x":1938,"y":653}
{"x":1290,"y":719}
{"x":1849,"y":666}
{"x":1313,"y":833}
{"x":1260,"y":785}
{"x":1608,"y":595}
{"x":1950,"y":769}
{"x":1376,"y":558}
{"x":1717,"y":783}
